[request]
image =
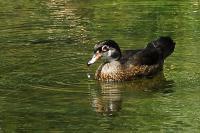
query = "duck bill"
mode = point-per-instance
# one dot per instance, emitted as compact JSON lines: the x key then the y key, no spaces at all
{"x":95,"y":57}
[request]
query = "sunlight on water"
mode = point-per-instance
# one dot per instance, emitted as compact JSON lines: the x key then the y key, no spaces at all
{"x":46,"y":86}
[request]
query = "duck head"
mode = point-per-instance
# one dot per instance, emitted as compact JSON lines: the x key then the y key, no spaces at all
{"x":107,"y":49}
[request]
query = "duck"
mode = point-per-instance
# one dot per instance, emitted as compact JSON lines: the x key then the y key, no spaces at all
{"x":128,"y":65}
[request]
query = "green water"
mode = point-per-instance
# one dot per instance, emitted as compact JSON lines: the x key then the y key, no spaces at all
{"x":44,"y":48}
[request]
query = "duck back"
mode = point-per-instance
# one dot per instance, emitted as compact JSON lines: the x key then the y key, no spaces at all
{"x":154,"y":53}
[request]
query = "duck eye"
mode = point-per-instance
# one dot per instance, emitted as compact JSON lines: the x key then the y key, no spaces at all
{"x":105,"y":48}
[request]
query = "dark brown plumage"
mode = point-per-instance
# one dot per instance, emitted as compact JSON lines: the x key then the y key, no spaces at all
{"x":131,"y":64}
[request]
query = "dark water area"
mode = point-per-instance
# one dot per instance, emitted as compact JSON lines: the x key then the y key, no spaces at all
{"x":44,"y":48}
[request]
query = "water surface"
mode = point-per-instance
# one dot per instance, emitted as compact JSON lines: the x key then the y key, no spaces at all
{"x":44,"y":47}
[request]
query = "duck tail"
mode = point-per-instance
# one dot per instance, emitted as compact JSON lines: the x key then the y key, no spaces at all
{"x":164,"y":45}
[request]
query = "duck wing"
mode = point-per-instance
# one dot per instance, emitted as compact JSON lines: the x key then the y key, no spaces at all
{"x":146,"y":57}
{"x":154,"y":53}
{"x":140,"y":57}
{"x":128,"y":55}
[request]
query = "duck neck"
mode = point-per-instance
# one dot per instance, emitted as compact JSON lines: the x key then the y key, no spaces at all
{"x":111,"y":67}
{"x":108,"y":70}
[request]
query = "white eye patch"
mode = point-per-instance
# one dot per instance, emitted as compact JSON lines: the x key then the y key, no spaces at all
{"x":105,"y":48}
{"x":109,"y":53}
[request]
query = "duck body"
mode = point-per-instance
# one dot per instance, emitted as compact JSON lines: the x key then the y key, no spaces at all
{"x":131,"y":64}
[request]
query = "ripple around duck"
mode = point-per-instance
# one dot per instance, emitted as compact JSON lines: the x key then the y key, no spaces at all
{"x":44,"y":47}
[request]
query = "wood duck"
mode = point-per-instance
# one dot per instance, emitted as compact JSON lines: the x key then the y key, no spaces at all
{"x":130,"y":64}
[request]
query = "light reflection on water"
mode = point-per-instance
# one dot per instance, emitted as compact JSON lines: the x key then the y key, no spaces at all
{"x":44,"y":47}
{"x":106,"y":99}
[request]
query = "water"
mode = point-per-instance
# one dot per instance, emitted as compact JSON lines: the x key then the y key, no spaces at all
{"x":44,"y":84}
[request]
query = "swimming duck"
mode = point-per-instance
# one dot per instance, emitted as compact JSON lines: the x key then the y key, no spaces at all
{"x":130,"y":64}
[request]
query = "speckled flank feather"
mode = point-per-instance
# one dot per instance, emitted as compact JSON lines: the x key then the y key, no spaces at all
{"x":122,"y":73}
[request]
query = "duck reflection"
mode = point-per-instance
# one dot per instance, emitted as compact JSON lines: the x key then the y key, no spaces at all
{"x":107,"y":100}
{"x":106,"y":97}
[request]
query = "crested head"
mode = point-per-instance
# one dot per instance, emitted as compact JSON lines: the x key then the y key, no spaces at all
{"x":110,"y":50}
{"x":108,"y":43}
{"x":107,"y":49}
